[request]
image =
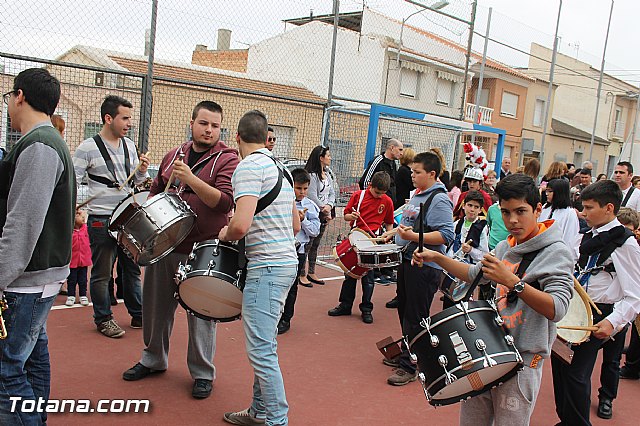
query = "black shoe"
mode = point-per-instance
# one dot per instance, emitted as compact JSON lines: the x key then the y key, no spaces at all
{"x":113,"y":299}
{"x":339,"y":311}
{"x":201,"y":389}
{"x":283,"y":326}
{"x":627,"y":373}
{"x":367,"y":318}
{"x":136,"y":322}
{"x":319,"y":282}
{"x":138,"y":372}
{"x":605,"y":408}
{"x":305,"y":284}
{"x":392,"y":304}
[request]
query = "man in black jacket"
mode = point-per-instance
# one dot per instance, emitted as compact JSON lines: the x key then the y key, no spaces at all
{"x":385,"y":162}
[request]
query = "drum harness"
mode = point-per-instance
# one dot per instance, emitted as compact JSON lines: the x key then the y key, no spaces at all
{"x":109,"y":163}
{"x":426,"y":206}
{"x":595,"y":251}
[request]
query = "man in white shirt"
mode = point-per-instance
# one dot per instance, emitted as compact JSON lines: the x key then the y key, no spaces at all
{"x":622,"y":175}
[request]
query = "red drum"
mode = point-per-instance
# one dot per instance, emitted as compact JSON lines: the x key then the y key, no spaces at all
{"x":346,"y":253}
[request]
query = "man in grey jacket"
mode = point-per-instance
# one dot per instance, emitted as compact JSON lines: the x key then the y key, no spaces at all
{"x":37,"y":196}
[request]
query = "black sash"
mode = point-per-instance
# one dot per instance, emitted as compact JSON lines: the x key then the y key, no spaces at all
{"x":626,"y":198}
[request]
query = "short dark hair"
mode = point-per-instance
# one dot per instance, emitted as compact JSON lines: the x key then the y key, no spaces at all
{"x":585,"y":172}
{"x":111,"y":104}
{"x":474,"y":195}
{"x":252,"y":127}
{"x":518,"y":186}
{"x":603,"y":192}
{"x":628,"y":165}
{"x":430,"y":162}
{"x":270,"y":129}
{"x":41,"y":90}
{"x":300,"y":176}
{"x":208,"y":105}
{"x":381,"y":181}
{"x":570,"y":165}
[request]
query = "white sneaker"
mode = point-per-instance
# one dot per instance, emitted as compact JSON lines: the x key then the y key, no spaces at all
{"x":71,"y":300}
{"x":84,"y":301}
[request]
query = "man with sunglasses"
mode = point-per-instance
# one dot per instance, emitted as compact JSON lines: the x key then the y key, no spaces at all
{"x":271,"y":139}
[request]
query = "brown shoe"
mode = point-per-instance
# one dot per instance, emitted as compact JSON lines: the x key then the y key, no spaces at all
{"x":401,"y":377}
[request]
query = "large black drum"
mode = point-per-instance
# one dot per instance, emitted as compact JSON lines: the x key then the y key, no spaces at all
{"x":463,"y":351}
{"x":210,"y":283}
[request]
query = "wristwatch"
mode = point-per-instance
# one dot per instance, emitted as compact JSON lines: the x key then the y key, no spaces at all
{"x":519,"y":287}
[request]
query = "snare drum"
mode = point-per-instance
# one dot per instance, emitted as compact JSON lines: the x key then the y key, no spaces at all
{"x":380,"y":256}
{"x":463,"y":351}
{"x":346,"y":252}
{"x":578,"y":313}
{"x":128,"y":205}
{"x":210,"y":283}
{"x":151,"y":231}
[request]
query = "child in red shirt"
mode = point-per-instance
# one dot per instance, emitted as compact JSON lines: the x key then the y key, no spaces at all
{"x":80,"y":260}
{"x":367,"y":209}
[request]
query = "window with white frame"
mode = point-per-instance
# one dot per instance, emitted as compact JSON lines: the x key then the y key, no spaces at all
{"x":443,"y":92}
{"x":409,"y":82}
{"x":538,"y":112}
{"x":509,"y":107}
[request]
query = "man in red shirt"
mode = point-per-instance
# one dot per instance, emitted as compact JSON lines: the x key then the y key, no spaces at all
{"x":367,"y":209}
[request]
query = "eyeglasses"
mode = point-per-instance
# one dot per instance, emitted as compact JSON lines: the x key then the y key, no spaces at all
{"x":6,"y":97}
{"x":273,"y":139}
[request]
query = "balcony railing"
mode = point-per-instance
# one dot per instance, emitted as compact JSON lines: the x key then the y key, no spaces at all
{"x":484,"y":113}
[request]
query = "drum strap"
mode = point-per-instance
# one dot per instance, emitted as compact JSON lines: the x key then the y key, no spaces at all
{"x":109,"y":163}
{"x":522,"y":267}
{"x":626,"y":198}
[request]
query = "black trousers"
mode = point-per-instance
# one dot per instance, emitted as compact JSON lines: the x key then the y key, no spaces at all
{"x":632,"y":358}
{"x":290,"y":302}
{"x":416,"y":288}
{"x":572,"y":383}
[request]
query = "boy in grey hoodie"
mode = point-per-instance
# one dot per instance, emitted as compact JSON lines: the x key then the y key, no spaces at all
{"x":529,"y":306}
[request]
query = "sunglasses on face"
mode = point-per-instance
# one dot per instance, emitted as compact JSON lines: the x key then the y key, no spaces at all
{"x":273,"y":139}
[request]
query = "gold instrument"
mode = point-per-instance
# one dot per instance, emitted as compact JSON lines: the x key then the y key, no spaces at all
{"x":3,"y":307}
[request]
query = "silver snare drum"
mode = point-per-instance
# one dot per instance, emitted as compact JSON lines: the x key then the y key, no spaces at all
{"x":382,"y":256}
{"x":149,"y":232}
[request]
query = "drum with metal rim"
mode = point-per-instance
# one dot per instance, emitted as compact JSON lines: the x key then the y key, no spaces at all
{"x":210,"y":282}
{"x":346,"y":252}
{"x":463,"y":351}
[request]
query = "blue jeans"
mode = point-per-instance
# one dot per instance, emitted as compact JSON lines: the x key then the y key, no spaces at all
{"x":24,"y":357}
{"x":104,"y":250}
{"x":263,"y":300}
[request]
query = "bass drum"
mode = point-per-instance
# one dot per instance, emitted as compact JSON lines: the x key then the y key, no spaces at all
{"x":210,"y":283}
{"x":463,"y":351}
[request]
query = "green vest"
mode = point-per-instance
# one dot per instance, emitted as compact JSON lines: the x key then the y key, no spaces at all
{"x":53,"y":248}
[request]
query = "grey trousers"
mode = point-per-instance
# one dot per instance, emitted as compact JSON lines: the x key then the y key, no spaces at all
{"x":510,"y":404}
{"x":158,"y":311}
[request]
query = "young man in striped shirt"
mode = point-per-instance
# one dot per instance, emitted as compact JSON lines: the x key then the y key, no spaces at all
{"x":271,"y":265}
{"x":104,"y":186}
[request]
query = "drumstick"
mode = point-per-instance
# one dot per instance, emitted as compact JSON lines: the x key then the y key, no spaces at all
{"x":170,"y":181}
{"x":132,"y":173}
{"x":579,"y":289}
{"x":579,"y":327}
{"x":421,"y":229}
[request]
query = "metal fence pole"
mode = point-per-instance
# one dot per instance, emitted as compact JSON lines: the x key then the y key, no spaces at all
{"x":147,"y":95}
{"x":547,"y":105}
{"x":595,"y":118}
{"x":456,"y":151}
{"x":481,"y":79}
{"x":326,"y":122}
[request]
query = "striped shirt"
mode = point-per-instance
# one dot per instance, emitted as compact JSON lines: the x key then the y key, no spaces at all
{"x":270,"y":240}
{"x":87,"y":159}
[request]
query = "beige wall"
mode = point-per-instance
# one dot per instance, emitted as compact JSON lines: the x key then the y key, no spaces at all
{"x":538,"y":90}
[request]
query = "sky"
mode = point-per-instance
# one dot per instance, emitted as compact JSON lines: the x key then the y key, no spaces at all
{"x":47,"y":28}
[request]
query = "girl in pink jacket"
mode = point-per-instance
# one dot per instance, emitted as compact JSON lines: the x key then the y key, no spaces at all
{"x":80,"y":260}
